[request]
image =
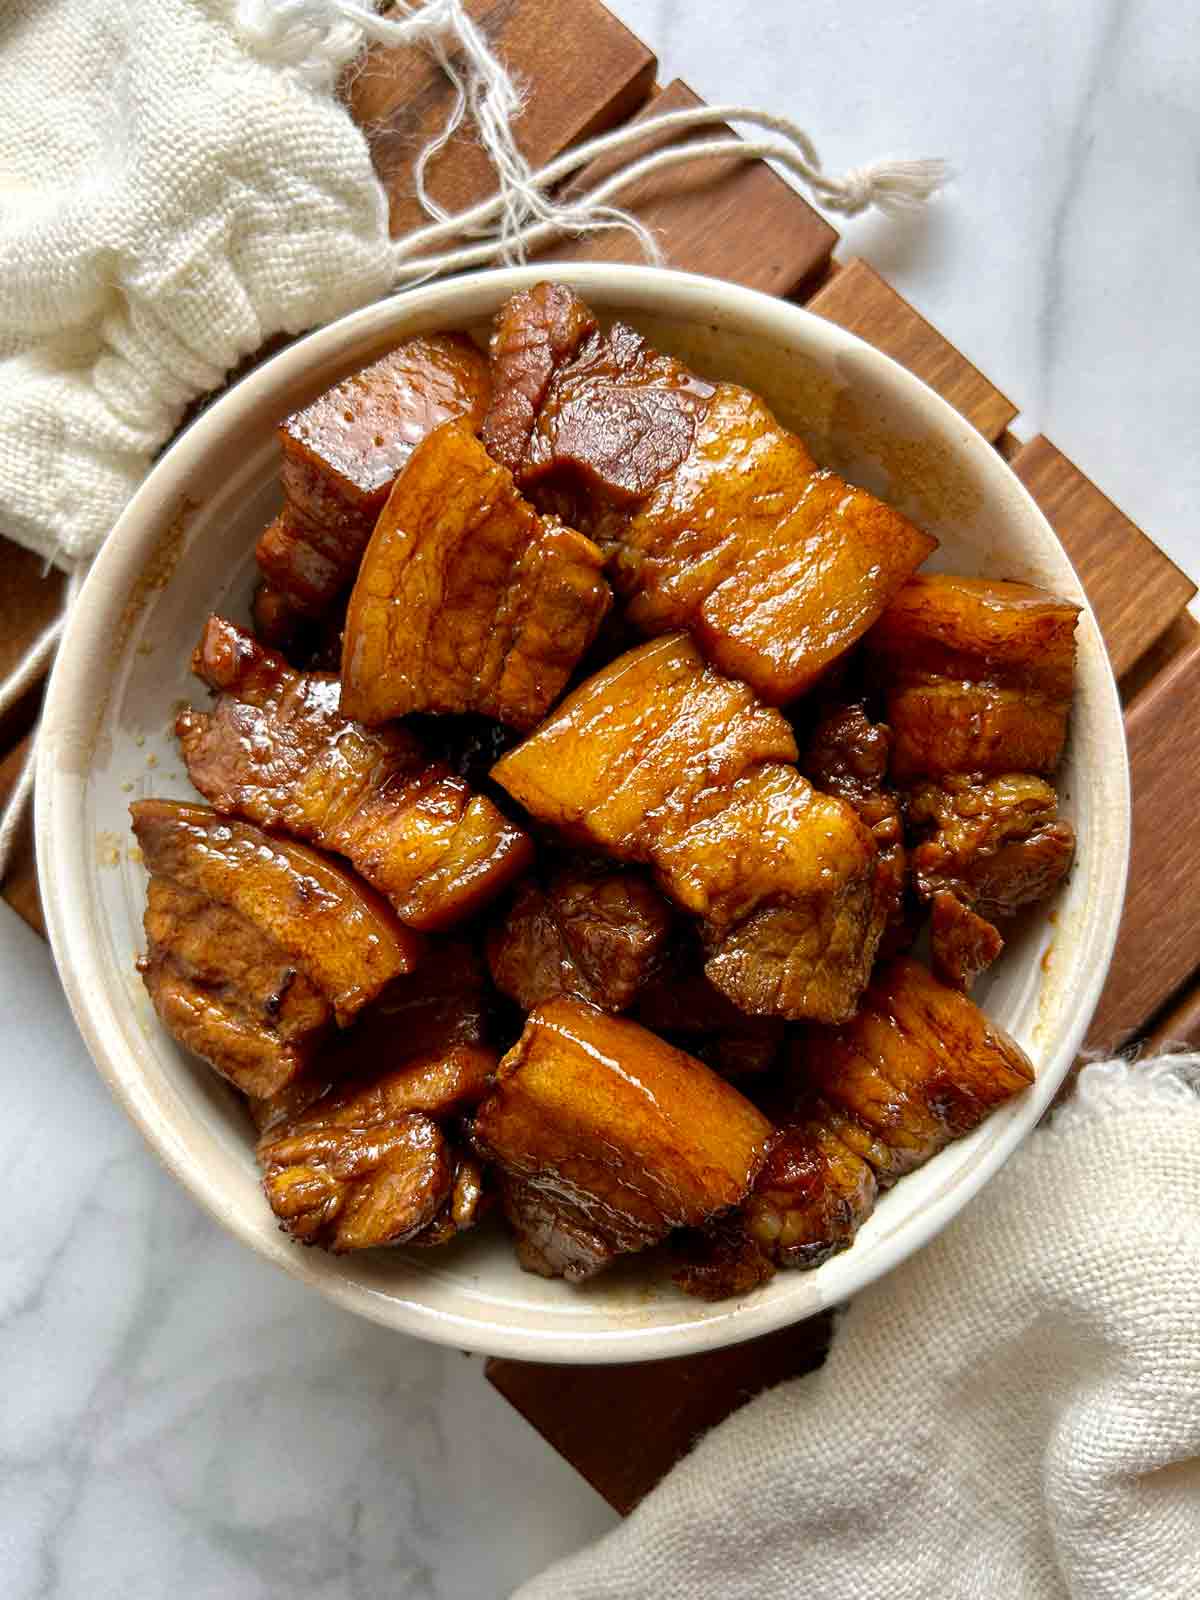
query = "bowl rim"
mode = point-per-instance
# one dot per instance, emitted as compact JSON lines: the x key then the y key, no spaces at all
{"x":64,"y":859}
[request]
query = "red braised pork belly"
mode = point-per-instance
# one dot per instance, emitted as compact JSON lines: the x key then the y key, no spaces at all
{"x":467,"y":600}
{"x":277,"y":750}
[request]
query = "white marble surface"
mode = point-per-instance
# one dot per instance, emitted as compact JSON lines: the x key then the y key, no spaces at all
{"x":175,"y":1416}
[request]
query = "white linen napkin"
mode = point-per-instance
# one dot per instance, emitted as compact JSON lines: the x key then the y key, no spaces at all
{"x":168,"y":199}
{"x":1013,"y":1412}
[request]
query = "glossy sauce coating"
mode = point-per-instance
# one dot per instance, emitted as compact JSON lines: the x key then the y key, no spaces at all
{"x":339,"y":933}
{"x":466,"y":599}
{"x":633,"y":1136}
{"x":660,"y":759}
{"x":977,"y":676}
{"x":278,"y":750}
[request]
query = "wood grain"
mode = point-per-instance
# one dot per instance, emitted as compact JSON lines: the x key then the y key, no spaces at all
{"x":586,"y":70}
{"x":1136,"y":591}
{"x":733,"y":220}
{"x":20,"y":886}
{"x":1158,"y":947}
{"x":1180,"y":1024}
{"x":30,"y":597}
{"x":859,"y":300}
{"x":597,"y":1417}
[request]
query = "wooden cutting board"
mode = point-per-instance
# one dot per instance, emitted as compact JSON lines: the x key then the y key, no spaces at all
{"x":588,"y":73}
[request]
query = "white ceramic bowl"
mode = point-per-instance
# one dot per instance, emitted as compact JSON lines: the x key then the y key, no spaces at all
{"x":184,"y":548}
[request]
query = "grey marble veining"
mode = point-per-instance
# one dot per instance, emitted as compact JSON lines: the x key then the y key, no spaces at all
{"x":175,"y":1417}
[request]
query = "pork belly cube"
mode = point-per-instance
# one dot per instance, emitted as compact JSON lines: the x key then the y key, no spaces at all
{"x":594,"y":934}
{"x":961,"y":943}
{"x":535,"y":332}
{"x":996,"y":844}
{"x":337,"y":932}
{"x":787,"y":882}
{"x":616,"y":421}
{"x":353,"y":1173}
{"x":645,"y":735}
{"x":341,"y":455}
{"x":277,"y":750}
{"x":427,"y":1029}
{"x":776,"y":567}
{"x":811,"y":1198}
{"x":633,"y":1137}
{"x":660,"y":759}
{"x":228,"y":992}
{"x":467,"y":600}
{"x":918,"y":1066}
{"x":808,"y":1203}
{"x":977,"y":676}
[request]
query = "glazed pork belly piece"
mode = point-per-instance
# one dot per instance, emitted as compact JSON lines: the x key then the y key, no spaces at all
{"x":535,"y":332}
{"x":977,"y":676}
{"x":588,"y":931}
{"x":341,"y":455}
{"x":277,"y":750}
{"x":365,"y":1167}
{"x":716,"y":518}
{"x":467,"y":600}
{"x":809,"y":1201}
{"x":428,"y":1029}
{"x":608,"y":1138}
{"x":989,"y":846}
{"x":255,"y":945}
{"x":659,"y":759}
{"x":847,"y":756}
{"x":917,"y":1067}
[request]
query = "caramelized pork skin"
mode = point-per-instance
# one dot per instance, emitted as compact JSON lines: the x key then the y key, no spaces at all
{"x":426,"y":1029}
{"x":467,"y":599}
{"x":341,"y":455}
{"x":659,"y":759}
{"x":717,"y":518}
{"x":918,"y":1066}
{"x":595,"y":934}
{"x":536,"y":332}
{"x":608,"y":1138}
{"x":255,"y":947}
{"x":338,"y":933}
{"x":277,"y":750}
{"x":977,"y":676}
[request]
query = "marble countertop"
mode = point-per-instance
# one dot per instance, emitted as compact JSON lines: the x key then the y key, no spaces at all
{"x":178,"y":1417}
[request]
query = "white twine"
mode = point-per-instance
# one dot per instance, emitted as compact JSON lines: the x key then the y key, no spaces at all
{"x":316,"y":40}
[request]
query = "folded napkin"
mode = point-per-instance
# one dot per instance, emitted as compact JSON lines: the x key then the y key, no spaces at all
{"x":1013,"y":1412}
{"x":169,"y":197}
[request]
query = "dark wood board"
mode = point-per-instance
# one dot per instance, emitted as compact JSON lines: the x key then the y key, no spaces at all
{"x":1106,"y":549}
{"x":585,"y":72}
{"x":734,"y":220}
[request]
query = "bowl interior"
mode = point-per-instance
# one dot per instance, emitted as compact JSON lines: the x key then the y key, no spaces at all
{"x":184,"y":548}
